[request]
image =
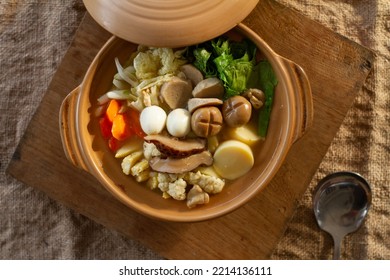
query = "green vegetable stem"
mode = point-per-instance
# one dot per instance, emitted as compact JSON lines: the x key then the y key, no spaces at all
{"x":264,"y":78}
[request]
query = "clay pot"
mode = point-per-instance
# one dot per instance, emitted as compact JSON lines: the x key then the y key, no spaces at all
{"x":291,"y":116}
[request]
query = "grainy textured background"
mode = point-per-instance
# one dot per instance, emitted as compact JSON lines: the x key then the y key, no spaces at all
{"x":34,"y":36}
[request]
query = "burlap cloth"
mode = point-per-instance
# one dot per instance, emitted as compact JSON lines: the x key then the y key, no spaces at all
{"x":34,"y":36}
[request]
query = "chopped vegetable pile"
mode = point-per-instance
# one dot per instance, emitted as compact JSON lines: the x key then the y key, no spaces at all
{"x":186,"y":121}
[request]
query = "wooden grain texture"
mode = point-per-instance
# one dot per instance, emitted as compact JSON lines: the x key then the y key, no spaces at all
{"x":336,"y":68}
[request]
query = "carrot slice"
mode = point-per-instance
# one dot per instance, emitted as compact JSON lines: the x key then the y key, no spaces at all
{"x":121,"y":128}
{"x":113,"y":109}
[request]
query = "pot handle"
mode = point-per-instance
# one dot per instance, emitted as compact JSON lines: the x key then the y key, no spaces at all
{"x":67,"y":119}
{"x":303,"y":98}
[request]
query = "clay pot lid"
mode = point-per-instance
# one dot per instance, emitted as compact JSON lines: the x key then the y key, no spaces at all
{"x":168,"y":23}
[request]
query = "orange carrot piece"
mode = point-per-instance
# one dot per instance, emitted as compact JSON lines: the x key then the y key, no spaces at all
{"x":113,"y":109}
{"x":121,"y":128}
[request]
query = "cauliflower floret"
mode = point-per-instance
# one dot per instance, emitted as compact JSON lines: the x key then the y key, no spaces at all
{"x":172,"y":185}
{"x":150,"y":150}
{"x":209,"y":184}
{"x":177,"y":189}
{"x":197,"y":196}
{"x":164,"y":179}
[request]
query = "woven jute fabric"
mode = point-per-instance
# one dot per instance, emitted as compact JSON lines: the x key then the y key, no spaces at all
{"x":362,"y":144}
{"x":34,"y":36}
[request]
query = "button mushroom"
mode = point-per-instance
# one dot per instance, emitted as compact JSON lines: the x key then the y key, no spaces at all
{"x":206,"y":121}
{"x":176,"y":92}
{"x":236,"y":111}
{"x":210,"y":87}
{"x":256,"y":97}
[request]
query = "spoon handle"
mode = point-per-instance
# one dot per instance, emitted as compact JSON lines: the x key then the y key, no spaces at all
{"x":337,"y":247}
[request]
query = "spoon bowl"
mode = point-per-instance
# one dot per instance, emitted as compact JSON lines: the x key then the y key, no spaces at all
{"x":341,"y":202}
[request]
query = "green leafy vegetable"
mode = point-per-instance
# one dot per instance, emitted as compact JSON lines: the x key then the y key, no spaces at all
{"x":232,"y":62}
{"x":264,"y":78}
{"x":202,"y":62}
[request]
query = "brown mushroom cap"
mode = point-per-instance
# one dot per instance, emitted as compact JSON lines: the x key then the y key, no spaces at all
{"x":237,"y":111}
{"x":173,"y":147}
{"x":181,"y":165}
{"x":255,"y":96}
{"x":206,"y":121}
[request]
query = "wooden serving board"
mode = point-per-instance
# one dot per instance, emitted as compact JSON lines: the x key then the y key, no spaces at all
{"x":336,"y":68}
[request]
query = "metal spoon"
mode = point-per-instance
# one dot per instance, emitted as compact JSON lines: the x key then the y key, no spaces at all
{"x":340,"y":203}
